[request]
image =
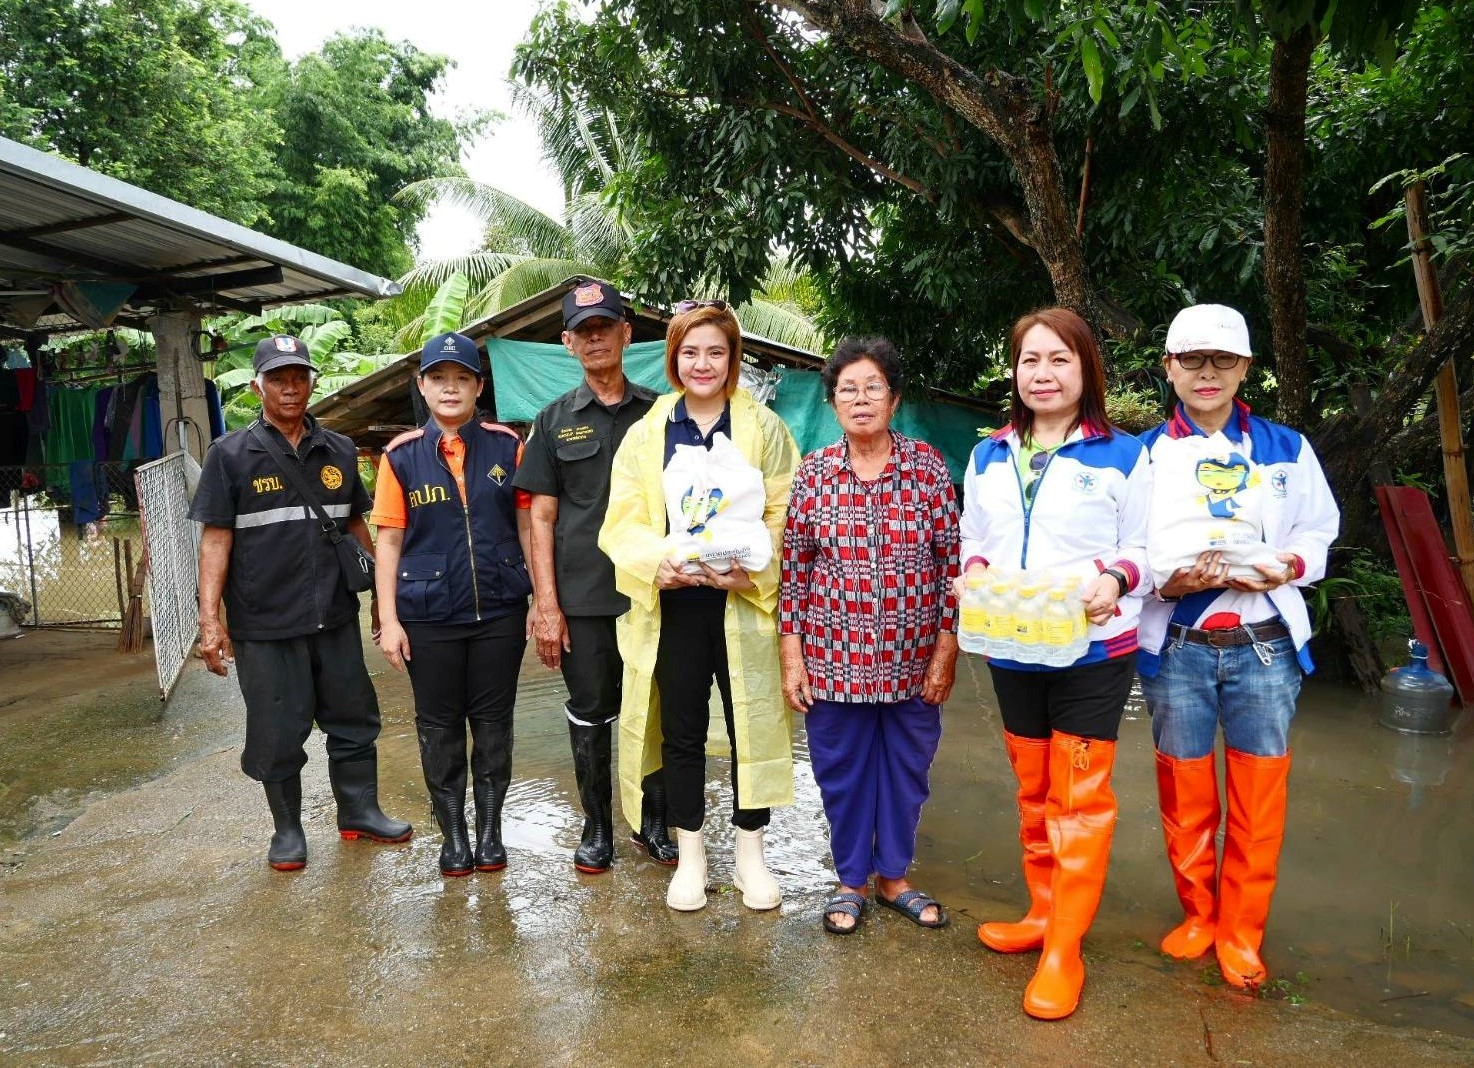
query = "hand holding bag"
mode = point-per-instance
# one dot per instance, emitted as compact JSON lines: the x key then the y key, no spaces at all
{"x":355,"y":562}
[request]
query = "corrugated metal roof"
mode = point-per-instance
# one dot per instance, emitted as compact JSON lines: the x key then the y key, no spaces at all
{"x":63,"y":223}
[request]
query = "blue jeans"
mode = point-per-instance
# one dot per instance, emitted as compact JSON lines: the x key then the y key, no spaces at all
{"x":1200,"y":687}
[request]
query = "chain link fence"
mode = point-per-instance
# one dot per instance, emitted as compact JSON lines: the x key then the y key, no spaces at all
{"x":67,"y":535}
{"x":173,"y":570}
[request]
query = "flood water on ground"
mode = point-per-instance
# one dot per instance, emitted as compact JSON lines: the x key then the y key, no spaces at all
{"x":1372,"y":915}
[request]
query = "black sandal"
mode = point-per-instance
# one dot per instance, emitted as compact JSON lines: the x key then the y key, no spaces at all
{"x":911,"y":904}
{"x":847,"y":903}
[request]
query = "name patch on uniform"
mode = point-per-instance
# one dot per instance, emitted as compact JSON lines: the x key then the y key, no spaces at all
{"x":267,"y":484}
{"x":331,"y":477}
{"x":497,"y":474}
{"x":428,"y":494}
{"x":567,"y":435}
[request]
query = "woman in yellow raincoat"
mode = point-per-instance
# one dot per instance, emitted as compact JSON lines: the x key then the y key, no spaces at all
{"x":684,"y":629}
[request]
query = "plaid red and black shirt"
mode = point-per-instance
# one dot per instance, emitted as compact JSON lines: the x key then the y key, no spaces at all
{"x":868,"y":569}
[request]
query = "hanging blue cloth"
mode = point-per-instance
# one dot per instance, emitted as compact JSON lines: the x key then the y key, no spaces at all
{"x":87,"y":500}
{"x":217,"y":414}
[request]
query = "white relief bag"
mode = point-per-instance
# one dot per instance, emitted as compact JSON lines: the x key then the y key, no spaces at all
{"x":1206,"y":495}
{"x":714,"y":501}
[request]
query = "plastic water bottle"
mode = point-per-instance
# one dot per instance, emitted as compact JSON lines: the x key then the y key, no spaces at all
{"x":1082,"y":625}
{"x":973,"y":609}
{"x":1415,"y":698}
{"x":1028,"y":624}
{"x":1060,"y":630}
{"x":1000,"y":621}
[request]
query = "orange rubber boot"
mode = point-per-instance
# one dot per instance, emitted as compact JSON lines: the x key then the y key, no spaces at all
{"x":1030,"y":760}
{"x":1251,"y":853}
{"x":1081,"y":816}
{"x":1188,"y":793}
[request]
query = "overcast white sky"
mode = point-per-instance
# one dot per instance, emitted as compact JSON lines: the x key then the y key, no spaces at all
{"x":480,"y":38}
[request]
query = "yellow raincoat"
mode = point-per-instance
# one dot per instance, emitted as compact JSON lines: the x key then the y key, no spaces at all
{"x":633,"y":536}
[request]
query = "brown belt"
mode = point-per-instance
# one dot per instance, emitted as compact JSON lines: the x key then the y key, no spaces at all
{"x":1229,"y":636}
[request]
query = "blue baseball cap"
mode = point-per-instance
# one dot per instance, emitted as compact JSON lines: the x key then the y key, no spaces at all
{"x":451,"y":348}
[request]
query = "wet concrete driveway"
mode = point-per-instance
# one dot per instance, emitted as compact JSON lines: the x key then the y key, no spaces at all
{"x":140,"y":924}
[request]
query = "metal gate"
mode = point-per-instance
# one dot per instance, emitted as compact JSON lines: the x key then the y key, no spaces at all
{"x":172,"y":541}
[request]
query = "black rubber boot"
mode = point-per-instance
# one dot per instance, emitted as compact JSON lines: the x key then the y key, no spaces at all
{"x":443,"y":756}
{"x":652,"y":836}
{"x":591,"y":745}
{"x":491,"y":764}
{"x":288,"y":850}
{"x":356,"y":789}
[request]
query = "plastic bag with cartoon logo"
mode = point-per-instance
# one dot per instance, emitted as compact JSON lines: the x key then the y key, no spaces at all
{"x":714,"y":503}
{"x":1206,"y":495}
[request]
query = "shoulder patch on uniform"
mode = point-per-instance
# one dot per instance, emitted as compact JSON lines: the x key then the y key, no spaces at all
{"x":407,"y":436}
{"x":485,"y":425}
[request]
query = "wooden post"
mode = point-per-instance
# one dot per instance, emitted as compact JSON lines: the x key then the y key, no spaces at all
{"x":181,"y":382}
{"x":1450,"y":428}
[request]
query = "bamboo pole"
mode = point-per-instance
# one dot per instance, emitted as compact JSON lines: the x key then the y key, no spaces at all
{"x":1446,"y":388}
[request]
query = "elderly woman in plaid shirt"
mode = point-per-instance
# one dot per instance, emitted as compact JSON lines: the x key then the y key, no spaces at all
{"x":867,"y":628}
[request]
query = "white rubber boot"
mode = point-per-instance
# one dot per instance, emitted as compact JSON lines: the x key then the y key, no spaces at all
{"x":759,"y":888}
{"x":687,"y":891}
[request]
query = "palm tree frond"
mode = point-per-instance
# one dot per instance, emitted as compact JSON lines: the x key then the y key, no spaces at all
{"x":446,"y":309}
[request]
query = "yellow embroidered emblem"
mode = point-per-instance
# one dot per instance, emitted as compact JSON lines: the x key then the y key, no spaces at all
{"x":331,"y":477}
{"x":497,"y":474}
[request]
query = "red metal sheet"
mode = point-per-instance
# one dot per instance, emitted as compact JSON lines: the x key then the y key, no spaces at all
{"x":1437,"y":600}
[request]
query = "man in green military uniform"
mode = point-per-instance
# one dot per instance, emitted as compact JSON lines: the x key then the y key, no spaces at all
{"x":566,"y":468}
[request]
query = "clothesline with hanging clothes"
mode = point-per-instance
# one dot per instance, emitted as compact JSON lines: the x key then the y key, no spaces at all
{"x":88,"y":424}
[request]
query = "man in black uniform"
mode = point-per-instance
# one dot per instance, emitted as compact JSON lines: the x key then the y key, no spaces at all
{"x":566,"y":466}
{"x":292,"y":621}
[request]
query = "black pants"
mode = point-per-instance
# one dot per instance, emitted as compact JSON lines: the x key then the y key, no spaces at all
{"x":1085,"y":701}
{"x":289,"y":684}
{"x":466,"y":671}
{"x":693,"y":651}
{"x":592,"y":670}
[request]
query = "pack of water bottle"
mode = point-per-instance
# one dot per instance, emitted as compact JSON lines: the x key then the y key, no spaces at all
{"x":1027,"y":616}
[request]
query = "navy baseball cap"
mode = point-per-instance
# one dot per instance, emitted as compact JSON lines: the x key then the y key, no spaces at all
{"x":280,"y":350}
{"x":451,"y":348}
{"x":591,"y":298}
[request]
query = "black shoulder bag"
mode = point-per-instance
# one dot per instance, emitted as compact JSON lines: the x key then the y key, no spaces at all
{"x":356,"y":563}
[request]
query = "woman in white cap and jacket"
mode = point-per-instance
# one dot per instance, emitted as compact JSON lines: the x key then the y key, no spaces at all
{"x":1223,"y":642}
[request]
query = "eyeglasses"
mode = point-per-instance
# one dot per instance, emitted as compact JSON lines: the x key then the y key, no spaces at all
{"x":1037,"y":463}
{"x":1193,"y":361}
{"x":875,"y":390}
{"x":691,"y":305}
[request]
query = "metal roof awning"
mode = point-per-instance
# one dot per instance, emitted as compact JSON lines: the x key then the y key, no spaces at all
{"x":63,"y":223}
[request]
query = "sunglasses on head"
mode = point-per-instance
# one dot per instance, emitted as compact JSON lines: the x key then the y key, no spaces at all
{"x":1193,"y":361}
{"x":691,"y":305}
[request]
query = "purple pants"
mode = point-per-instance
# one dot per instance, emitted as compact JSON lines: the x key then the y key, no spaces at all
{"x":872,"y":763}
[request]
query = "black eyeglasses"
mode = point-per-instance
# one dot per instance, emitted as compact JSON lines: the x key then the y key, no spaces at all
{"x":1037,"y":463}
{"x":691,"y":305}
{"x":1193,"y":361}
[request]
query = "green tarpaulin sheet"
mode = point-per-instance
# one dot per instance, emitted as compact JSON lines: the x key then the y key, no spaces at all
{"x":528,"y":374}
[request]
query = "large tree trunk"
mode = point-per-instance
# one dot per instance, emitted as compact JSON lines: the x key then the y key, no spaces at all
{"x":1003,"y":108}
{"x":1348,"y":443}
{"x":1284,"y":198}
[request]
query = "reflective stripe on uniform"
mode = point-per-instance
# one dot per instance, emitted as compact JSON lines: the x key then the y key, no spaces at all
{"x":289,"y":515}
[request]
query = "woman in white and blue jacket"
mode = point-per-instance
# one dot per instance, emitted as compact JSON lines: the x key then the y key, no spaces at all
{"x":1059,"y":489}
{"x":1222,"y":651}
